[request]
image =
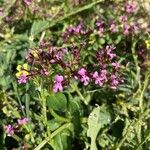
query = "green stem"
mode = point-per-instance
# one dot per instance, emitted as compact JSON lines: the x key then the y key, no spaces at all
{"x":52,"y":135}
{"x":17,"y":95}
{"x":16,"y":137}
{"x":44,"y":110}
{"x":132,"y":125}
{"x":75,"y":87}
{"x":135,"y":58}
{"x":146,"y":83}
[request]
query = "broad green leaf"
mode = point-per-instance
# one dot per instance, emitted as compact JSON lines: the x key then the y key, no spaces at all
{"x":97,"y":119}
{"x":39,"y":26}
{"x":57,"y":102}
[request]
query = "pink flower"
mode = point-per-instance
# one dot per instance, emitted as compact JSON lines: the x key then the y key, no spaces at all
{"x":135,"y":27}
{"x":82,"y":75}
{"x":131,"y":7}
{"x":109,"y":52}
{"x":123,"y":18}
{"x":126,"y":29}
{"x":100,"y":26}
{"x":22,"y":79}
{"x":28,"y":2}
{"x":99,"y":79}
{"x":58,"y":83}
{"x":9,"y":130}
{"x":114,"y":81}
{"x":23,"y":121}
{"x":116,"y":65}
{"x":113,"y":28}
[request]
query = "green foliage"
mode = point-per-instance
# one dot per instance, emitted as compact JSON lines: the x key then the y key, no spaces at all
{"x":98,"y":118}
{"x":80,"y":117}
{"x":57,"y":102}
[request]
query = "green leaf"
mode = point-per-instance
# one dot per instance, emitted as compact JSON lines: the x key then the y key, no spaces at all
{"x":57,"y":102}
{"x":74,"y":111}
{"x":62,"y":141}
{"x":118,"y":39}
{"x":39,"y":26}
{"x":97,"y":119}
{"x":54,"y":124}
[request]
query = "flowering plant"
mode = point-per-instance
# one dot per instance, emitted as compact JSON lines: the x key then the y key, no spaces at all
{"x":75,"y":75}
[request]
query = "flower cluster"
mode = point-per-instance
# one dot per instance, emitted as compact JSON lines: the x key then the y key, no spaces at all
{"x":79,"y":30}
{"x":108,"y":67}
{"x":104,"y":72}
{"x":10,"y":130}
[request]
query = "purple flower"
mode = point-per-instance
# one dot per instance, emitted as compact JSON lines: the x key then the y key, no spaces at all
{"x":23,"y":121}
{"x":22,"y":79}
{"x":9,"y":130}
{"x":109,"y":52}
{"x":58,"y":83}
{"x":82,"y":75}
{"x":77,"y":29}
{"x":103,"y":75}
{"x":99,"y":79}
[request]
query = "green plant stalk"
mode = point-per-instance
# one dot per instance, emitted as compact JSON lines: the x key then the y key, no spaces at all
{"x":75,"y":87}
{"x":27,"y":103}
{"x":139,"y":91}
{"x":44,"y":110}
{"x":135,"y":58}
{"x":58,"y":117}
{"x":142,"y":142}
{"x":19,"y":101}
{"x":16,"y":137}
{"x":145,"y":84}
{"x":52,"y":135}
{"x":133,"y":125}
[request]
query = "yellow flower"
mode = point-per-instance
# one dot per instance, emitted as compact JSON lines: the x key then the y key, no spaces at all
{"x":22,"y":70}
{"x":147,"y":43}
{"x":34,"y":53}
